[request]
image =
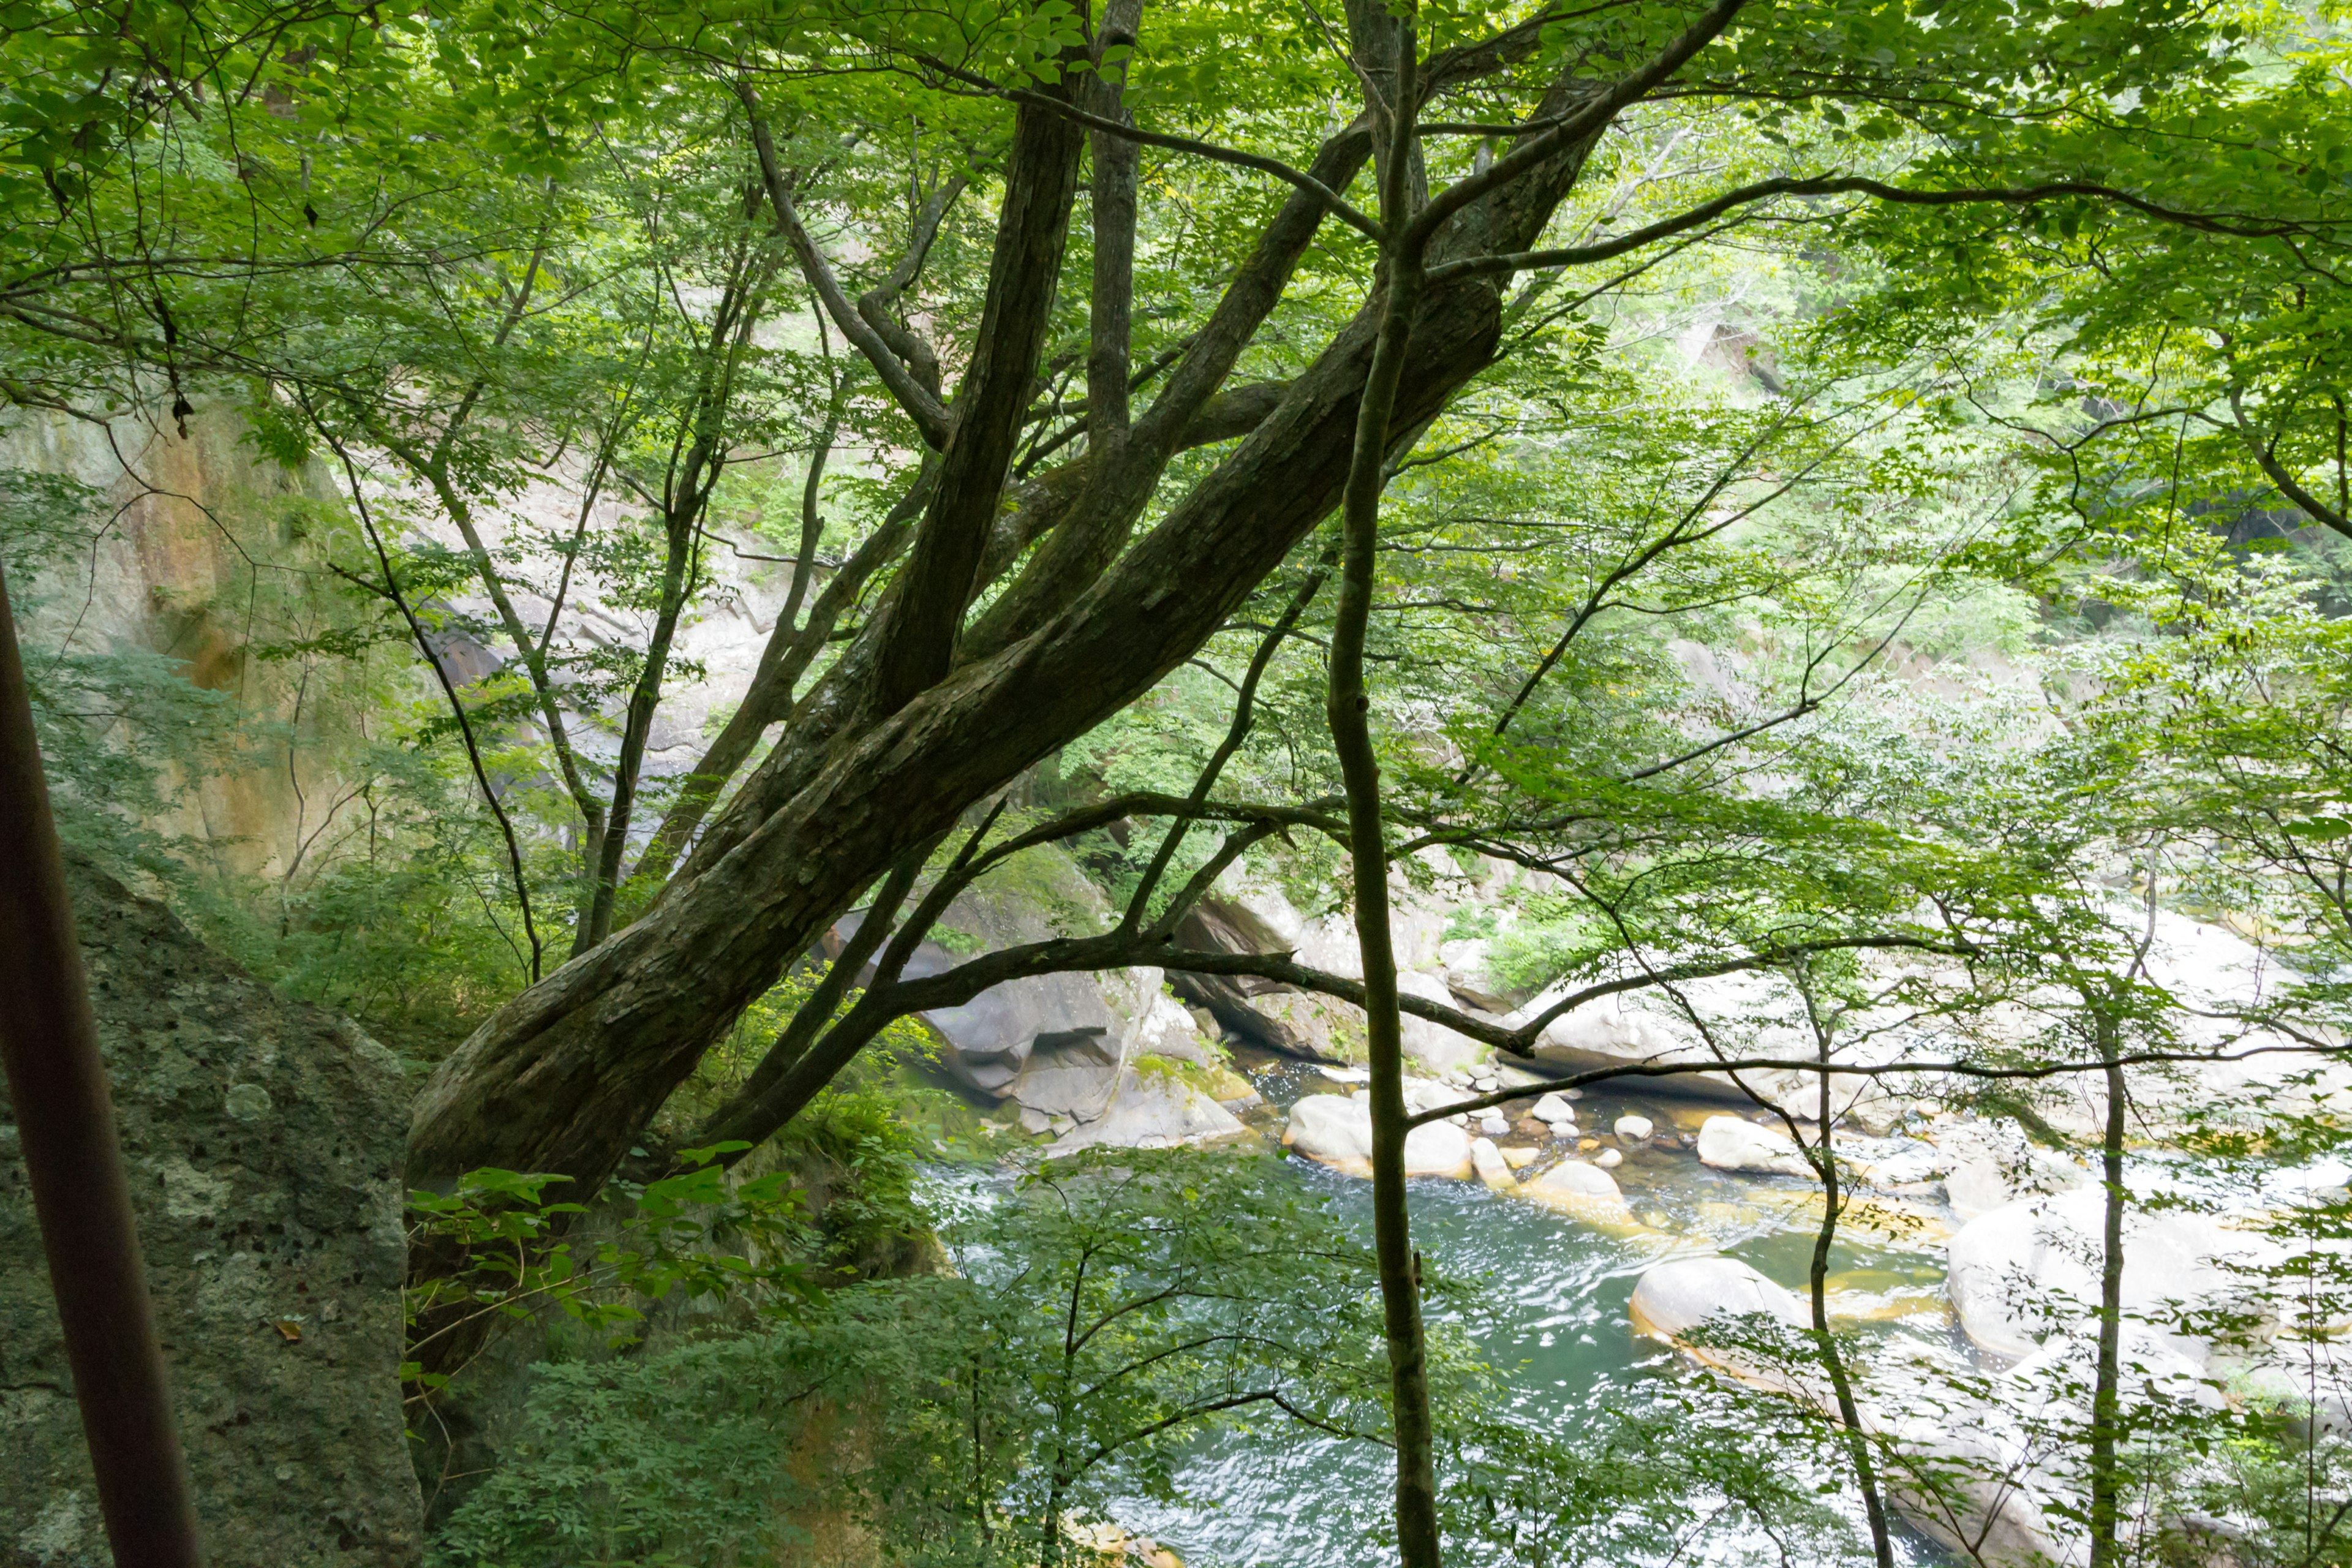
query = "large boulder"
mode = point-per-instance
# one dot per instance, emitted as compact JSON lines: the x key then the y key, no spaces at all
{"x":1109,"y":1056}
{"x":2032,"y":1268}
{"x":1467,"y":967}
{"x":1150,"y":1110}
{"x":1965,"y":1470}
{"x":1673,"y":1297}
{"x":1733,"y":1143}
{"x":1438,"y":1149}
{"x":1962,"y":1470}
{"x":1892,"y":1162}
{"x":1333,"y":1129}
{"x":1155,"y":1087}
{"x":263,"y":1140}
{"x":1336,"y":1130}
{"x":1586,"y":1192}
{"x":1246,"y":916}
{"x":987,"y":1042}
{"x":1991,"y":1164}
{"x":1258,"y":1011}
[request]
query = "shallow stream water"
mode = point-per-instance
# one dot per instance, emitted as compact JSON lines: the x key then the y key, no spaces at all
{"x":1560,"y":1334}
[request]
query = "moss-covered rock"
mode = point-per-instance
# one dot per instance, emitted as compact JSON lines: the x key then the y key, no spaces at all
{"x":263,"y":1140}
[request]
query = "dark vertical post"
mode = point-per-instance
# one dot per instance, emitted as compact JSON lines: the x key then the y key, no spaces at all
{"x":64,"y":1125}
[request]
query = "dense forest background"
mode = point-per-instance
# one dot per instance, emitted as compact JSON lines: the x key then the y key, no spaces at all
{"x":972,"y":690}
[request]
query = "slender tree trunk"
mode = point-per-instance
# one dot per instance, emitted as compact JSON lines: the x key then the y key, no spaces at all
{"x":636,"y":729}
{"x":550,"y":709}
{"x":686,"y":499}
{"x":2105,"y":1403}
{"x":1348,"y":707}
{"x":1857,"y":1442}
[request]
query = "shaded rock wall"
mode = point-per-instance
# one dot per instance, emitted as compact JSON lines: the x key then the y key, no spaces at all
{"x":264,"y":1140}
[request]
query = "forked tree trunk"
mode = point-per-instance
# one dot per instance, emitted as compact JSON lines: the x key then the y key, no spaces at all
{"x":566,"y":1077}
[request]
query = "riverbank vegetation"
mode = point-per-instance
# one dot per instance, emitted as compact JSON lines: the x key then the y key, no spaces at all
{"x":612,"y":543}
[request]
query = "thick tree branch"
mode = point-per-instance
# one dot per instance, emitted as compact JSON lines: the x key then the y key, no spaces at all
{"x":783,"y":661}
{"x":1843,"y":185}
{"x":942,"y":569}
{"x":921,"y":403}
{"x":877,"y":305}
{"x":1571,"y":127}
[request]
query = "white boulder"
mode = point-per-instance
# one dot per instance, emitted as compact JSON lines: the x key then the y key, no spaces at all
{"x":1492,"y":1168}
{"x":1150,"y":1110}
{"x":1337,"y":1131}
{"x":1732,"y":1144}
{"x":1634,"y":1129}
{"x":1991,"y":1164}
{"x":1609,"y":1159}
{"x":1585,"y":1191}
{"x":1332,"y":1129}
{"x":2031,"y":1268}
{"x":1552,"y":1109}
{"x":1675,"y":1297}
{"x":1437,"y":1149}
{"x":1891,"y":1162}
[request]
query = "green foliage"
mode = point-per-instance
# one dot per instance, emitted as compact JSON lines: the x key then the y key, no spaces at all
{"x":1105,"y":1311}
{"x":701,"y":1234}
{"x":843,"y":1425}
{"x":1857,"y":570}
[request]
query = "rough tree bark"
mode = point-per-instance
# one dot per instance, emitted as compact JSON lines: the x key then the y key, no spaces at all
{"x":565,"y":1077}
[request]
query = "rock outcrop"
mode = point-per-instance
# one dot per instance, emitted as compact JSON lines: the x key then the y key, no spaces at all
{"x":1106,"y":1057}
{"x":263,"y":1140}
{"x":1250,"y":916}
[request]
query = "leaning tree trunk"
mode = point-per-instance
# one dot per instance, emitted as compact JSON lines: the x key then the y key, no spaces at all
{"x":566,"y":1077}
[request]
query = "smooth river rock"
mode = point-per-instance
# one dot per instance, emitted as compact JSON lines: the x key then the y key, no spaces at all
{"x":2030,"y":1267}
{"x":1675,"y":1297}
{"x":1991,"y":1164}
{"x":1587,"y":1192}
{"x":1731,"y":1143}
{"x":1336,"y":1130}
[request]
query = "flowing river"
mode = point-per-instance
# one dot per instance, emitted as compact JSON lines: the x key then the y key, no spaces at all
{"x":1559,"y":1333}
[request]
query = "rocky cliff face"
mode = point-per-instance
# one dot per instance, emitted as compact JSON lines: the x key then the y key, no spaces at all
{"x":204,"y":551}
{"x":264,"y":1140}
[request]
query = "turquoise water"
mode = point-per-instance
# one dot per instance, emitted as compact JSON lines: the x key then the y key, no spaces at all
{"x":1559,"y":1334}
